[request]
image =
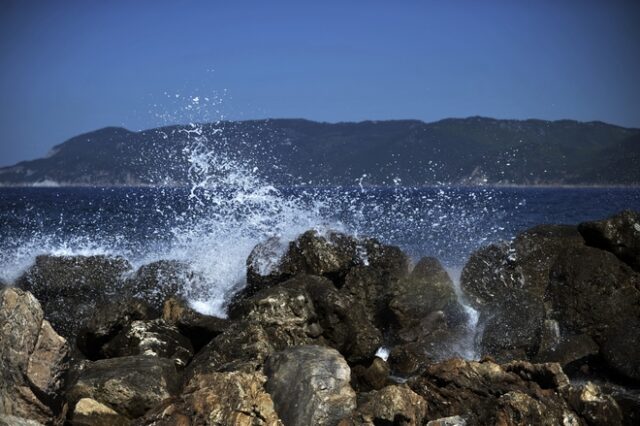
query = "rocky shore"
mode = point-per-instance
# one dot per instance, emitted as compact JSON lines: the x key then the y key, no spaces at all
{"x":334,"y":330}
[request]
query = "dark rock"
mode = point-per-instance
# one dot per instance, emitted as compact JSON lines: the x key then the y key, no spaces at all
{"x":408,"y":359}
{"x":373,"y":377}
{"x":597,"y":408}
{"x":107,"y":321}
{"x":318,"y":377}
{"x":514,"y":393}
{"x":231,"y":398}
{"x":311,"y":253}
{"x":80,"y":282}
{"x":392,"y":405}
{"x":199,"y":328}
{"x":242,"y":347}
{"x":33,"y":360}
{"x":153,"y":338}
{"x":128,"y":385}
{"x":157,"y":281}
{"x":619,"y":234}
{"x":592,"y":292}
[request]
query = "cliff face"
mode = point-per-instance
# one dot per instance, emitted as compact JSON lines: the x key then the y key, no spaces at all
{"x":289,"y":152}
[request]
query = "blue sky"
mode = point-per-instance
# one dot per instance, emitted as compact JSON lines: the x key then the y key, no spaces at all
{"x":68,"y":67}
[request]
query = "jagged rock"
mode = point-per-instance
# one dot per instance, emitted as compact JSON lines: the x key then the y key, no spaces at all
{"x":33,"y":360}
{"x":241,"y":347}
{"x":318,"y":377}
{"x":129,"y":385}
{"x":157,"y":281}
{"x":154,"y":338}
{"x":311,"y":253}
{"x":17,"y":421}
{"x":396,"y":404}
{"x":597,"y":408}
{"x":107,"y":321}
{"x":507,"y":283}
{"x":199,"y":328}
{"x":80,"y":282}
{"x":592,"y":292}
{"x":619,"y":234}
{"x":488,"y":393}
{"x":89,"y":412}
{"x":286,"y":313}
{"x":230,"y":398}
{"x":373,"y":377}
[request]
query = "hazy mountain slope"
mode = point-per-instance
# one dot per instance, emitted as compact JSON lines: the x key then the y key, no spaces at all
{"x":289,"y":151}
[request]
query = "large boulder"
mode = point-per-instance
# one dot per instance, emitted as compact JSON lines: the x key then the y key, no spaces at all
{"x":107,"y":321}
{"x":507,"y":283}
{"x":130,"y":386}
{"x":154,"y":338}
{"x":33,"y":360}
{"x":310,"y":385}
{"x":199,"y":328}
{"x":619,"y":234}
{"x":592,"y":292}
{"x":514,"y":393}
{"x":231,"y":398}
{"x":71,"y":287}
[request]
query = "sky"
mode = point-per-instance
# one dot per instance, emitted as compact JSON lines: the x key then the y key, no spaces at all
{"x":68,"y":67}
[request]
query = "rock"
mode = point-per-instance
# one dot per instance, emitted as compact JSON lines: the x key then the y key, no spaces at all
{"x":488,"y":393}
{"x":318,"y":377}
{"x":571,"y":352}
{"x":311,"y":253}
{"x":17,"y":421}
{"x":89,"y":412}
{"x":80,"y":282}
{"x":286,"y":313}
{"x":199,"y":328}
{"x":153,"y":338}
{"x":448,"y":421}
{"x":373,"y":377}
{"x":507,"y":283}
{"x":594,"y":406}
{"x":592,"y":292}
{"x":242,"y":347}
{"x":129,"y":385}
{"x":408,"y":359}
{"x":107,"y":321}
{"x":33,"y":360}
{"x":619,"y":234}
{"x":230,"y":398}
{"x":396,"y":404}
{"x":157,"y":281}
{"x":344,"y":320}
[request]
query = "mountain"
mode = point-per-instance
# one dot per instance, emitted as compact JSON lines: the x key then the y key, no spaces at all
{"x":467,"y":151}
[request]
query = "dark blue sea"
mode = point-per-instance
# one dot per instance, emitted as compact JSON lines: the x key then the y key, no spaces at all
{"x":215,"y":229}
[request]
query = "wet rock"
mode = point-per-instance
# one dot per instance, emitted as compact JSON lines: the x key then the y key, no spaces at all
{"x":107,"y":321}
{"x":89,"y":412}
{"x":243,"y":346}
{"x":199,"y":328}
{"x":572,"y":351}
{"x":231,"y":398}
{"x":488,"y":393}
{"x":318,"y":377}
{"x":330,"y":255}
{"x":129,"y":385}
{"x":448,"y":421}
{"x":373,"y":377}
{"x":408,"y":359}
{"x":592,"y":292}
{"x":153,"y":338}
{"x":33,"y":360}
{"x":157,"y":281}
{"x":619,"y":234}
{"x":80,"y":282}
{"x":392,"y":405}
{"x":597,"y":408}
{"x":17,"y":421}
{"x":345,"y":321}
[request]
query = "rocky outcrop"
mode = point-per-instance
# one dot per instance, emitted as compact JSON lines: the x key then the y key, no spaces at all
{"x":619,"y":234}
{"x":71,"y":287}
{"x":231,"y":398}
{"x":129,"y":385}
{"x":199,"y":328}
{"x":318,"y":377}
{"x":33,"y":360}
